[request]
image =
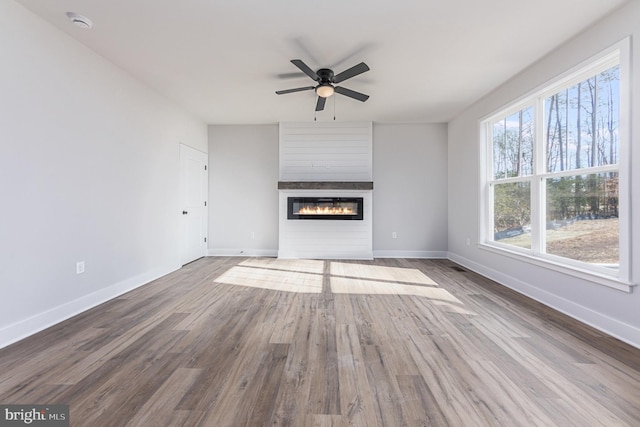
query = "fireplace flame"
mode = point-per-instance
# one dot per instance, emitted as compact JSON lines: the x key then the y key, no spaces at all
{"x":325,"y":210}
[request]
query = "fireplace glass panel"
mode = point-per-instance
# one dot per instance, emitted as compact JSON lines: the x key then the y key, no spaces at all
{"x":337,"y":208}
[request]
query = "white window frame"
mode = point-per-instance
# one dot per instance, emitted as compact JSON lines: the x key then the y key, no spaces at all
{"x":619,"y":279}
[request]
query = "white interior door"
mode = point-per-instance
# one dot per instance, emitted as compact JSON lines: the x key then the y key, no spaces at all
{"x":194,"y":189}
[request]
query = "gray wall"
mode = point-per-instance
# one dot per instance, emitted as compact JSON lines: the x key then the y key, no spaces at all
{"x":611,"y":310}
{"x":409,"y":165}
{"x":243,"y":190}
{"x":410,"y":190}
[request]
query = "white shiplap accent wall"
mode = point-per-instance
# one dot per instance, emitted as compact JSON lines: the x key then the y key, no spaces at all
{"x":325,"y":239}
{"x":326,"y":151}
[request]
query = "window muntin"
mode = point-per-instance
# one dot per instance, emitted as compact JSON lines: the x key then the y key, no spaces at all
{"x":572,"y":172}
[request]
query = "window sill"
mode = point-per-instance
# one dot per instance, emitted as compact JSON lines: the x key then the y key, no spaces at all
{"x":591,"y":276}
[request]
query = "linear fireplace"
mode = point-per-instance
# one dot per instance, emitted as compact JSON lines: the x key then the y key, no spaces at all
{"x":336,"y":208}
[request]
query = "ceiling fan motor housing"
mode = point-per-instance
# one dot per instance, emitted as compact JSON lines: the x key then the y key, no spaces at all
{"x":325,"y":75}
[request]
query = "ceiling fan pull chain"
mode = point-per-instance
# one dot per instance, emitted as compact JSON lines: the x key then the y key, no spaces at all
{"x":334,"y":109}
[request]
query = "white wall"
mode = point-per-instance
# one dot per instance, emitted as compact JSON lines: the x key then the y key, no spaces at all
{"x":89,"y":171}
{"x":410,"y":190}
{"x":243,"y":190}
{"x":610,"y":310}
{"x":325,"y":151}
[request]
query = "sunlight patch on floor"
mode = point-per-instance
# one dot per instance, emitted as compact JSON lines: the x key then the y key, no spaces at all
{"x":297,"y":265}
{"x":307,"y":276}
{"x":345,"y":285}
{"x":376,"y":272}
{"x":277,"y":280}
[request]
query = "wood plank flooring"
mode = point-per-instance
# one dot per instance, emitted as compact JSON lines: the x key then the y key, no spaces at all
{"x":260,"y":341}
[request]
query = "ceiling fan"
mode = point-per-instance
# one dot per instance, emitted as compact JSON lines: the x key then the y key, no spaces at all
{"x":326,"y":80}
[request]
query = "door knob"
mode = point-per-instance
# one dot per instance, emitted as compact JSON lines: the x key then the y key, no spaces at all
{"x":184,"y":212}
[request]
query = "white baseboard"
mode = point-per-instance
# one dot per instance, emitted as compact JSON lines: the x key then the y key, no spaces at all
{"x":409,"y":254}
{"x":320,"y":255}
{"x":620,"y":330}
{"x":36,"y":323}
{"x":271,"y":253}
{"x":365,"y":255}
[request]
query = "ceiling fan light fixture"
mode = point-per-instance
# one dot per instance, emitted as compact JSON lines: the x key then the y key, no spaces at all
{"x":324,"y":90}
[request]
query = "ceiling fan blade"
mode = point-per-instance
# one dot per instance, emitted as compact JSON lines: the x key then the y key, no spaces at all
{"x":298,"y":89}
{"x":351,"y":93}
{"x":296,"y":75}
{"x":351,"y":72}
{"x":320,"y":104}
{"x":305,"y":69}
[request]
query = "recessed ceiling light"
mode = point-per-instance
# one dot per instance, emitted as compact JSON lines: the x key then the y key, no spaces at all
{"x":80,"y":21}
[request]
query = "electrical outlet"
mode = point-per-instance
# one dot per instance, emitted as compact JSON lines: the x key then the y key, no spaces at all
{"x":394,"y":235}
{"x":468,"y":241}
{"x":79,"y":267}
{"x":253,"y":235}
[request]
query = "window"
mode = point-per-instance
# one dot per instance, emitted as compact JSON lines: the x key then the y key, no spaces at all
{"x":553,"y":169}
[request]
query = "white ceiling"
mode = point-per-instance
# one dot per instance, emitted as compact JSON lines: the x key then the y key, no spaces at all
{"x":224,"y":59}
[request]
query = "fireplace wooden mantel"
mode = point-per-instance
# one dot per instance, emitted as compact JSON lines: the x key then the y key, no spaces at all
{"x":325,"y":185}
